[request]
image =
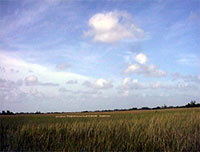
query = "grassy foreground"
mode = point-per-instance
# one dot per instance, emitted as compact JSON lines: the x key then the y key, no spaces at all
{"x":161,"y":130}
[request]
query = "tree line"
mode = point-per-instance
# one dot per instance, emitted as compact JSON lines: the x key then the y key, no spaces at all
{"x":191,"y":104}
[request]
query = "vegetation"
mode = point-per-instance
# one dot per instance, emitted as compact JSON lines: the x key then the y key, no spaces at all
{"x":7,"y":112}
{"x":137,"y":130}
{"x":192,"y":104}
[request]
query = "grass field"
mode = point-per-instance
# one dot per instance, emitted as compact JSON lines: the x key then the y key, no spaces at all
{"x":161,"y":130}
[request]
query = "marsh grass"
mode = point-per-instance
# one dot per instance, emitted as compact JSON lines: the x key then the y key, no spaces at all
{"x":164,"y":130}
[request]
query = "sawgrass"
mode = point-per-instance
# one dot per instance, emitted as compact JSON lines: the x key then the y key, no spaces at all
{"x":161,"y":130}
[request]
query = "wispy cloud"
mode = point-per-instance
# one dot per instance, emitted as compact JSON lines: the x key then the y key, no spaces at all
{"x":45,"y":72}
{"x":189,"y":60}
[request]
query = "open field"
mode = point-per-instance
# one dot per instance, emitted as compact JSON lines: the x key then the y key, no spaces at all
{"x":154,"y":130}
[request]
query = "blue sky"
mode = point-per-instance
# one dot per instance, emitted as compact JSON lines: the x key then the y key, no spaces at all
{"x":62,"y":55}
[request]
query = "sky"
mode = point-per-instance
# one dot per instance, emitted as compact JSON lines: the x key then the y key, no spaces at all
{"x":74,"y":55}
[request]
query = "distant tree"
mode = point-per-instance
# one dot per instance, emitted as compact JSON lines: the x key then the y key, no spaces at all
{"x":164,"y":106}
{"x":84,"y":111}
{"x":156,"y":108}
{"x":37,"y":112}
{"x":7,"y":112}
{"x":133,"y":108}
{"x":192,"y":104}
{"x":145,"y":108}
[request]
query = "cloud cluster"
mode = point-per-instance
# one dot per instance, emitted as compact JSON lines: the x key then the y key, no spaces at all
{"x":146,"y":70}
{"x":26,"y":68}
{"x":142,"y":68}
{"x":2,"y":69}
{"x":98,"y":84}
{"x":186,"y":78}
{"x":72,"y":82}
{"x":6,"y":85}
{"x":188,"y":60}
{"x":86,"y":92}
{"x":33,"y":80}
{"x":63,"y":66}
{"x":10,"y":90}
{"x":129,"y":84}
{"x":111,"y":27}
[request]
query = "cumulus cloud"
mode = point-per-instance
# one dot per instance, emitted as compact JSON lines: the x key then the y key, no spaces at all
{"x":111,"y":27}
{"x":132,"y":68}
{"x":6,"y":85}
{"x":72,"y":82}
{"x":33,"y":80}
{"x":141,"y":58}
{"x":10,"y":90}
{"x":34,"y":92}
{"x":98,"y":84}
{"x":145,"y":70}
{"x":129,"y":84}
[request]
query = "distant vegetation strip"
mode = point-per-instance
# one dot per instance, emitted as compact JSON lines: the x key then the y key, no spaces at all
{"x":192,"y":104}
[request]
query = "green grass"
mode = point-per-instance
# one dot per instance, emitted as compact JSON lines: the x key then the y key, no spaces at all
{"x":162,"y":130}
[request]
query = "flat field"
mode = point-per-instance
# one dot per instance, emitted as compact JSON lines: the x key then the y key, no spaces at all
{"x":150,"y":130}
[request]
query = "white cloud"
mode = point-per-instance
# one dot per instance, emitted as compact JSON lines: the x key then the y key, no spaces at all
{"x":11,"y":90}
{"x":188,"y":60}
{"x":132,"y":68}
{"x":45,"y":73}
{"x":79,"y":92}
{"x":128,"y":83}
{"x":2,"y":69}
{"x":113,"y":26}
{"x":6,"y":85}
{"x":145,"y":70}
{"x":186,"y":78}
{"x":33,"y":80}
{"x":141,"y":58}
{"x":156,"y":85}
{"x":72,"y":82}
{"x":99,"y":84}
{"x":152,"y":71}
{"x":34,"y":92}
{"x":142,"y":68}
{"x":63,"y":66}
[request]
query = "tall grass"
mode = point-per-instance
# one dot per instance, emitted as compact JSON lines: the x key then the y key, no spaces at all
{"x":165,"y":130}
